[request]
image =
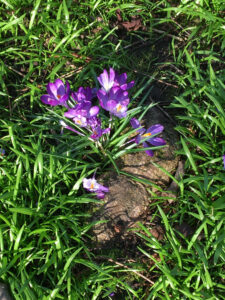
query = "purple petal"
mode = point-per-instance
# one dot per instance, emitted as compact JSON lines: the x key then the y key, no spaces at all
{"x":94,"y":92}
{"x":111,"y":75}
{"x":71,"y":113}
{"x":103,"y":188}
{"x":100,"y":195}
{"x":46,"y":99}
{"x":120,"y":111}
{"x":60,"y":88}
{"x":123,"y":87}
{"x":114,"y":91}
{"x":58,"y":83}
{"x":75,"y":96}
{"x":124,"y":99}
{"x":81,"y":121}
{"x":111,"y":104}
{"x":123,"y":95}
{"x":67,"y":87}
{"x":157,"y":128}
{"x":149,"y":152}
{"x":90,"y":184}
{"x":135,"y":123}
{"x":107,"y":130}
{"x":103,"y":97}
{"x":52,"y":90}
{"x":93,"y":111}
{"x":83,"y":94}
{"x":106,"y":80}
{"x":88,"y":93}
{"x":94,"y":122}
{"x":97,"y":133}
{"x":103,"y":78}
{"x":157,"y":141}
{"x":121,"y":79}
{"x":138,"y":139}
{"x":86,"y":183}
{"x":224,"y":162}
{"x":130,"y":85}
{"x":64,"y":98}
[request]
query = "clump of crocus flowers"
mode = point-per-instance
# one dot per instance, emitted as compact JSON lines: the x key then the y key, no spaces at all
{"x":113,"y":97}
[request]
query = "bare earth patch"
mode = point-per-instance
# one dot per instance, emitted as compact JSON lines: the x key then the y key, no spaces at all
{"x":128,"y":200}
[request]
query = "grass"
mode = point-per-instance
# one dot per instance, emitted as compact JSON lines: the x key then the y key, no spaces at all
{"x":45,"y":237}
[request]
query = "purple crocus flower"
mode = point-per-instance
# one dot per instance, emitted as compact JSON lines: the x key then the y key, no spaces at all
{"x":224,"y":162}
{"x":98,"y":132}
{"x":143,"y":134}
{"x":83,"y":94}
{"x":113,"y":79}
{"x":58,"y":93}
{"x":83,"y":113}
{"x":93,"y":186}
{"x":94,"y":122}
{"x":115,"y":101}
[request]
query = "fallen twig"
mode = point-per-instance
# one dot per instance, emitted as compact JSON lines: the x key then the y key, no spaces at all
{"x":137,"y":273}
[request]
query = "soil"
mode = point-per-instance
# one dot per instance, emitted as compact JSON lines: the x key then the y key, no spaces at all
{"x":128,"y":200}
{"x":4,"y":294}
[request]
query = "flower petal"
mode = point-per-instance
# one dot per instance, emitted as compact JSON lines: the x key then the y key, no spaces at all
{"x":103,"y":97}
{"x":90,"y":184}
{"x":138,"y":139}
{"x":52,"y":90}
{"x":71,"y":113}
{"x":157,"y":128}
{"x":46,"y":99}
{"x":149,"y":152}
{"x":111,"y":76}
{"x":107,"y":130}
{"x":100,"y":195}
{"x":130,"y":85}
{"x":58,"y":83}
{"x":81,"y":121}
{"x":103,"y":188}
{"x":120,"y":111}
{"x":64,"y":98}
{"x":224,"y":162}
{"x":135,"y":123}
{"x":157,"y":141}
{"x":93,"y":111}
{"x":111,"y":104}
{"x":121,"y":79}
{"x":103,"y":78}
{"x":67,"y":87}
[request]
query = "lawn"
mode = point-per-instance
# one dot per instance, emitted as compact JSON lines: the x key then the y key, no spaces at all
{"x":174,"y":51}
